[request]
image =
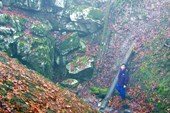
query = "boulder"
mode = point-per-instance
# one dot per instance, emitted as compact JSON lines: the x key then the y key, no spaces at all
{"x":80,"y":64}
{"x":36,"y":5}
{"x":84,"y":19}
{"x":62,"y":60}
{"x":37,"y":53}
{"x":18,"y":23}
{"x":7,"y":44}
{"x":4,"y":19}
{"x":69,"y":44}
{"x":59,"y":3}
{"x":7,"y":2}
{"x":40,"y":29}
{"x":7,"y":31}
{"x":86,"y":13}
{"x":29,"y":4}
{"x":70,"y":83}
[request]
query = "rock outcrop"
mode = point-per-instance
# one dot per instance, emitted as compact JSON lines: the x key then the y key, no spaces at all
{"x":29,"y":44}
{"x":31,"y":39}
{"x":70,"y":16}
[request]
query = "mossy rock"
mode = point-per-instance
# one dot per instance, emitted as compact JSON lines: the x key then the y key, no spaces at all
{"x":86,"y":13}
{"x":4,"y":19}
{"x":70,"y":83}
{"x":7,"y":31}
{"x":7,"y":44}
{"x":83,"y":46}
{"x":84,"y":19}
{"x":69,"y":44}
{"x":18,"y":23}
{"x":38,"y":53}
{"x":100,"y":92}
{"x":40,"y":29}
{"x":95,"y":14}
{"x":35,"y":5}
{"x":80,"y":64}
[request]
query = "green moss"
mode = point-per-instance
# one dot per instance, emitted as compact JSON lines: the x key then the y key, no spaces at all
{"x":83,"y":46}
{"x":100,"y":92}
{"x":29,"y":95}
{"x":80,"y":64}
{"x":50,"y":111}
{"x":19,"y":104}
{"x":31,"y":86}
{"x":154,"y":69}
{"x":18,"y":77}
{"x":2,"y":92}
{"x":39,"y":30}
{"x":36,"y":42}
{"x":17,"y":99}
{"x":7,"y":88}
{"x":95,"y":14}
{"x":37,"y":53}
{"x":9,"y":83}
{"x":69,"y":44}
{"x":79,"y":8}
{"x":18,"y":23}
{"x":7,"y":18}
{"x":4,"y":19}
{"x":164,"y":20}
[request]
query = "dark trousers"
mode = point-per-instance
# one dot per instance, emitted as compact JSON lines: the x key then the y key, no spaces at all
{"x":121,"y":90}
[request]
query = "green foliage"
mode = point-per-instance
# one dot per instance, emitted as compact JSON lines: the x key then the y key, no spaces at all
{"x":99,"y":92}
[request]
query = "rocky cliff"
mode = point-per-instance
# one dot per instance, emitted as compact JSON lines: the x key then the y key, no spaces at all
{"x":45,"y":35}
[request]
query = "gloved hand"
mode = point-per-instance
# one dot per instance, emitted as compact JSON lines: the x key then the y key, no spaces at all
{"x":124,"y":86}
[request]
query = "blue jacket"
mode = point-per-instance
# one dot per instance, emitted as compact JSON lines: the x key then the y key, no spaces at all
{"x":123,"y":77}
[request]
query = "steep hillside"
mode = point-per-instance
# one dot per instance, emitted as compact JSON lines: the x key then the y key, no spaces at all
{"x":150,"y":69}
{"x":23,"y":90}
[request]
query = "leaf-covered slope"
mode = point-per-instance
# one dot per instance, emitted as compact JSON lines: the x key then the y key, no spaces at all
{"x":23,"y":90}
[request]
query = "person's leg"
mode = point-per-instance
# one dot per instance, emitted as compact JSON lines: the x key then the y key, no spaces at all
{"x":123,"y":93}
{"x":118,"y":88}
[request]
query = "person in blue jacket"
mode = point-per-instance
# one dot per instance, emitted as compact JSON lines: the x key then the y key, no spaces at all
{"x":123,"y":79}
